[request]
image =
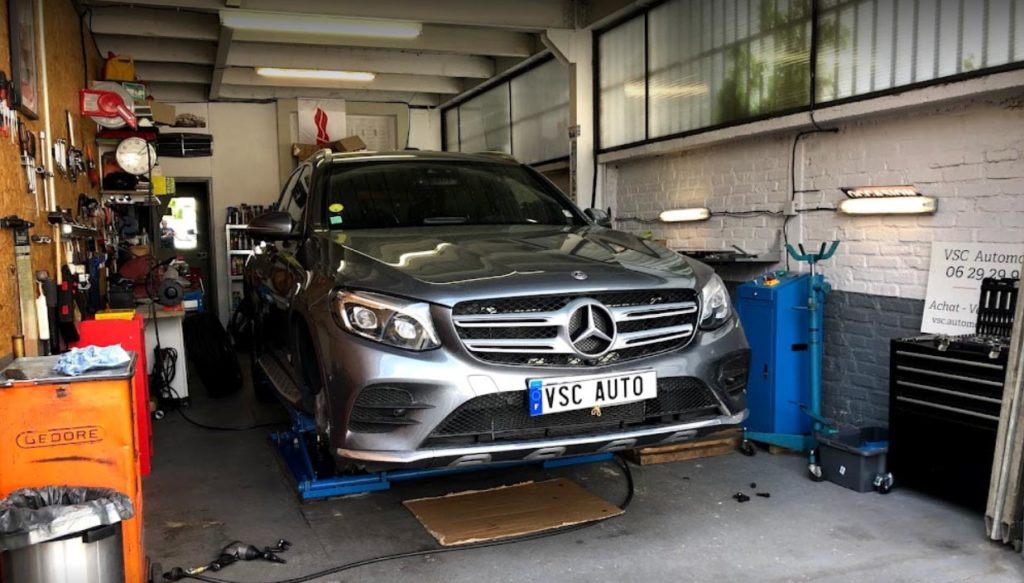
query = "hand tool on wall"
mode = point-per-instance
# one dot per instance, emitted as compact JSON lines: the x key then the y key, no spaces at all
{"x":75,"y":159}
{"x":26,"y":287}
{"x":90,"y":167}
{"x":6,"y":127}
{"x":27,"y":142}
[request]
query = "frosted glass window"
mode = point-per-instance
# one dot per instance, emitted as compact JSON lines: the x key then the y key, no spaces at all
{"x":621,"y":73}
{"x":873,"y":45}
{"x":451,"y":130}
{"x":720,"y":61}
{"x":484,"y":122}
{"x":540,"y":113}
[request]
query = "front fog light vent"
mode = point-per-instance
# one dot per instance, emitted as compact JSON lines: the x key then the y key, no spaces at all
{"x":384,"y":409}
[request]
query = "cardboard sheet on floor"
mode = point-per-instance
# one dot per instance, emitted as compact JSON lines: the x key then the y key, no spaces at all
{"x":508,"y":511}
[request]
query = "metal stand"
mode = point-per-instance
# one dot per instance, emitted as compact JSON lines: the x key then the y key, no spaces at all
{"x":315,"y":476}
{"x":818,"y":289}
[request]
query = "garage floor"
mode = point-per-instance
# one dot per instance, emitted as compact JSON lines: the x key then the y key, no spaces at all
{"x":209,"y":488}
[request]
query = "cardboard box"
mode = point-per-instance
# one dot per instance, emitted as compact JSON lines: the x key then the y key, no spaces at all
{"x":163,"y":113}
{"x":349,"y":144}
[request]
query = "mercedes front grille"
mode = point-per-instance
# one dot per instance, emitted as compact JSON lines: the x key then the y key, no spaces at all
{"x":590,"y":329}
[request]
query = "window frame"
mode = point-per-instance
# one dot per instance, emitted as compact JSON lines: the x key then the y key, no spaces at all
{"x":813,"y":103}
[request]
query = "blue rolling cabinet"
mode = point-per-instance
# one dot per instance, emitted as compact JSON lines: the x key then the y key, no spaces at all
{"x":775,"y":318}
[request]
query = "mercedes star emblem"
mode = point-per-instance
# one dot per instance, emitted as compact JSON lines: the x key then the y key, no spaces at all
{"x":579,"y":275}
{"x":591,"y":329}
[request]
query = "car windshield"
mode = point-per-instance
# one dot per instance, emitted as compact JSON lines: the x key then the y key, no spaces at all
{"x":419,"y":193}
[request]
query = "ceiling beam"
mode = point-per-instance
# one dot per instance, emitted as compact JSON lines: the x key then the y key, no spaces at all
{"x":159,"y":50}
{"x":532,"y":15}
{"x":383,"y":82}
{"x":449,"y":39}
{"x":173,"y":72}
{"x":172,"y":92}
{"x":358,"y":59}
{"x":225,"y":45}
{"x":153,"y":23}
{"x":250,"y":93}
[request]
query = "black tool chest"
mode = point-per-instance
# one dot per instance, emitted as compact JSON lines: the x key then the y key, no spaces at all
{"x":945,"y":398}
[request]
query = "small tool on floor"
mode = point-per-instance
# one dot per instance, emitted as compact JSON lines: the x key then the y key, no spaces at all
{"x":232,"y":553}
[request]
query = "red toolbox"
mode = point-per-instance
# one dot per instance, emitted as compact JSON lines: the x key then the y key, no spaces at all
{"x":130,"y":334}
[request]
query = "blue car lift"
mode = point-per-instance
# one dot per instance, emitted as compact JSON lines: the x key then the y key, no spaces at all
{"x":807,"y":443}
{"x":315,"y":476}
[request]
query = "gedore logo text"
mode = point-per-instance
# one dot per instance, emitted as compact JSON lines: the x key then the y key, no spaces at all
{"x":62,"y":436}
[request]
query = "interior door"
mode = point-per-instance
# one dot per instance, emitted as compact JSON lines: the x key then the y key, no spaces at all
{"x":184,"y":230}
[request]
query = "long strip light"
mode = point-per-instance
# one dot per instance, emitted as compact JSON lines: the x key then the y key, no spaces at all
{"x":685,"y":215}
{"x":321,"y":74}
{"x":899,"y":205}
{"x":317,"y":24}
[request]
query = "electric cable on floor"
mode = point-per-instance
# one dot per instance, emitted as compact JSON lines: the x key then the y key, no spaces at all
{"x":623,"y":465}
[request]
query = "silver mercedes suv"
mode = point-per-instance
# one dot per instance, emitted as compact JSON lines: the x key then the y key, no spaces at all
{"x":439,"y":309}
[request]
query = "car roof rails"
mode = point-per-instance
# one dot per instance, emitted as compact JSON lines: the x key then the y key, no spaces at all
{"x":498,"y":154}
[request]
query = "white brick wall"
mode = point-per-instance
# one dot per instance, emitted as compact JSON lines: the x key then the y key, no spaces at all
{"x":968,"y":154}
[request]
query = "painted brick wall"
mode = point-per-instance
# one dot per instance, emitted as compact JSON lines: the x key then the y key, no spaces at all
{"x":967,"y":153}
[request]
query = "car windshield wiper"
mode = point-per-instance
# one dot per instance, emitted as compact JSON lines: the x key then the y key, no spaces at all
{"x":445,"y":220}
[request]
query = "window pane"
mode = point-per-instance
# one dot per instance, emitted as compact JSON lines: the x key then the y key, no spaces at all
{"x":621,"y":72}
{"x":540,"y":113}
{"x":451,"y":130}
{"x":998,"y":41}
{"x":484,"y":122}
{"x":714,"y":62}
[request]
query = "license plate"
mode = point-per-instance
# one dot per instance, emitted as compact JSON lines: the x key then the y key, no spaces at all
{"x":571,"y":393}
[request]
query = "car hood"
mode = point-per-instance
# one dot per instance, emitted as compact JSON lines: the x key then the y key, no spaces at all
{"x":448,"y":264}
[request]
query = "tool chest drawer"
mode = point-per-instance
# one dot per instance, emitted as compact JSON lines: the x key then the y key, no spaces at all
{"x":944,"y":405}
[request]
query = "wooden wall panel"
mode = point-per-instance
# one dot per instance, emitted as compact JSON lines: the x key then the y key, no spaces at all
{"x":66,"y":73}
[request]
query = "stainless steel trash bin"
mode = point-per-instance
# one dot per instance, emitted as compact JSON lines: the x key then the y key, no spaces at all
{"x":94,"y":556}
{"x":63,"y":534}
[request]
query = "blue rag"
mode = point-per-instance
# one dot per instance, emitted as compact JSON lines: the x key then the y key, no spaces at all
{"x":79,"y":360}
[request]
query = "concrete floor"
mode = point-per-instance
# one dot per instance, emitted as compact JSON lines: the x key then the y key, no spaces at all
{"x":209,"y":488}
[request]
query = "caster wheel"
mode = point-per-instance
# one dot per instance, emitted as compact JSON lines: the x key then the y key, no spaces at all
{"x":155,"y":573}
{"x":747,"y":448}
{"x":883,"y":483}
{"x":158,"y":414}
{"x":814,"y":473}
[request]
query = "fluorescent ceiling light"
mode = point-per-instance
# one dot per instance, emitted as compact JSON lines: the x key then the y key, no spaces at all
{"x":317,"y":24}
{"x":685,"y":215}
{"x":900,"y":205}
{"x":323,"y":74}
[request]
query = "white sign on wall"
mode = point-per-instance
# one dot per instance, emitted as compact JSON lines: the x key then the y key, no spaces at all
{"x":321,"y":121}
{"x":954,"y":282}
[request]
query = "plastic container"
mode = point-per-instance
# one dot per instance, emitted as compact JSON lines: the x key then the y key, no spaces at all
{"x":855,"y":458}
{"x":63,"y":535}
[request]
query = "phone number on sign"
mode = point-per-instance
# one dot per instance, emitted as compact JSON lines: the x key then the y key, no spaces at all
{"x":979,"y":273}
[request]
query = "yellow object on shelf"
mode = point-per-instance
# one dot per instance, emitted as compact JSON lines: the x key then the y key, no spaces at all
{"x":122,"y":314}
{"x":163,"y":185}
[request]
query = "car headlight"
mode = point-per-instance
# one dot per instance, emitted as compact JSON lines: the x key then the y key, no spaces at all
{"x":392,"y":321}
{"x":714,"y":301}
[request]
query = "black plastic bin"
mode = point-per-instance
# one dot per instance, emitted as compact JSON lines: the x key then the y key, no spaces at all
{"x":855,"y":458}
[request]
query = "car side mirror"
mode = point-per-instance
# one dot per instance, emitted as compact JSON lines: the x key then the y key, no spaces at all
{"x":599,"y":216}
{"x":272,"y":226}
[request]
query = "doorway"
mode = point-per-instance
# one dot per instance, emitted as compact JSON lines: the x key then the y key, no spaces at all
{"x":181,"y":228}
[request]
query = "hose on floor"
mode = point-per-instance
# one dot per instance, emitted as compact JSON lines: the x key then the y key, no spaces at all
{"x":623,"y":466}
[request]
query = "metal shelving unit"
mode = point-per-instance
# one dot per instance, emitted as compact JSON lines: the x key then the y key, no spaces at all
{"x":234,"y":259}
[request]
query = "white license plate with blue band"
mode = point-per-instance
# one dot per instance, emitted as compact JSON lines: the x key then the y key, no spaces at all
{"x":571,"y":393}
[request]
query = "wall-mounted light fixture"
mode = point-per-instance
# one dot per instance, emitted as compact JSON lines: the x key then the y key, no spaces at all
{"x":321,"y":74}
{"x":886,"y":200}
{"x":685,"y":215}
{"x":318,"y":24}
{"x":900,"y":205}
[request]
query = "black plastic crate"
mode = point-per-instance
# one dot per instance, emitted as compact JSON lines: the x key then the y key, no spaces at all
{"x":854,"y":458}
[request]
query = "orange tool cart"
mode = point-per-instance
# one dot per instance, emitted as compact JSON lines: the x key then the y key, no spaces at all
{"x":76,"y":431}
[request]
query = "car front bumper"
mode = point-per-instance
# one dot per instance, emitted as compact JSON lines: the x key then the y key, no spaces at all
{"x":448,"y":377}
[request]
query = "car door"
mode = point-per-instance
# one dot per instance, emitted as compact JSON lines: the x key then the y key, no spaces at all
{"x":286,"y":275}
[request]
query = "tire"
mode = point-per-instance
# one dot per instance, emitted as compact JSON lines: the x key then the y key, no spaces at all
{"x":814,"y":473}
{"x":747,"y":448}
{"x":883,"y":483}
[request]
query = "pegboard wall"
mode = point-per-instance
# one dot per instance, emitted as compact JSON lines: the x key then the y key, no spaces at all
{"x":66,"y":70}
